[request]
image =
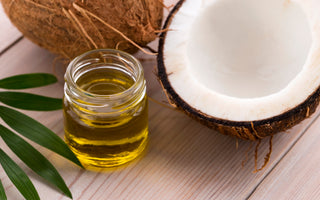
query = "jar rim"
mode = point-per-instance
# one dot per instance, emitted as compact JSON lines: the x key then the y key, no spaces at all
{"x":121,"y":54}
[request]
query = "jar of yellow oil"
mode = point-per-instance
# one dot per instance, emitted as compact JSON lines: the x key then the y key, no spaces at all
{"x":105,"y":108}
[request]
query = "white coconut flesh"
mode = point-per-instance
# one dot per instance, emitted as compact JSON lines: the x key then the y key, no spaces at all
{"x":244,"y":60}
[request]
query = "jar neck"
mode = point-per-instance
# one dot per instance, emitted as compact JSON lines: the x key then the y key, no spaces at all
{"x":88,"y":101}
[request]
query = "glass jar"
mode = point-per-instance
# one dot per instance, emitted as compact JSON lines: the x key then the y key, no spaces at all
{"x":105,"y":108}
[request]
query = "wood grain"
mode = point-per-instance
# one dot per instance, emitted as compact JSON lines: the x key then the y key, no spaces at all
{"x":297,"y":176}
{"x":184,"y":160}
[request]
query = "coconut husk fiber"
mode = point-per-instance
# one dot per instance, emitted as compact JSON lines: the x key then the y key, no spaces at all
{"x":69,"y":28}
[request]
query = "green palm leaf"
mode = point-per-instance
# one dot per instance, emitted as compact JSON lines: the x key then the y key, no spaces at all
{"x":2,"y":192}
{"x":36,"y":132}
{"x":33,"y":159}
{"x":27,"y":81}
{"x":18,"y":177}
{"x":28,"y":101}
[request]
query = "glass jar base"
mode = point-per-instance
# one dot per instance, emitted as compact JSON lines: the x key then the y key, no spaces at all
{"x":109,"y":161}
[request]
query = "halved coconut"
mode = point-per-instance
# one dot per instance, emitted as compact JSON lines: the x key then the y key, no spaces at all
{"x":247,"y":68}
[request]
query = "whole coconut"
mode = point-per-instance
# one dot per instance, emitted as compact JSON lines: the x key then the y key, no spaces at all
{"x":69,"y":28}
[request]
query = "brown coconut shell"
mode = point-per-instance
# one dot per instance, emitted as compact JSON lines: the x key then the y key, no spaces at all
{"x":247,"y":130}
{"x":69,"y":28}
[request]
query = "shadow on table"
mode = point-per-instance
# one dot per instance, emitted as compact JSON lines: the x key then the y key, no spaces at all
{"x":182,"y":151}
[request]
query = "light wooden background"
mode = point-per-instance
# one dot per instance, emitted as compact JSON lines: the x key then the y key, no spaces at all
{"x":185,"y":160}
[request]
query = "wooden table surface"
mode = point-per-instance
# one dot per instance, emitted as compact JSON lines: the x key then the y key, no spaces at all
{"x":184,"y":160}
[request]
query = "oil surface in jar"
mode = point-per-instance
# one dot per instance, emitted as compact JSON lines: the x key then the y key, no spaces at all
{"x":106,"y":140}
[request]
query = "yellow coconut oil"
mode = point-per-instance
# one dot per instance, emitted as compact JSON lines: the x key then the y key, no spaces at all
{"x":105,"y":108}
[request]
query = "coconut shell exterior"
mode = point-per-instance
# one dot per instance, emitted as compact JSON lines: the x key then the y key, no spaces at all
{"x":57,"y":26}
{"x":246,"y":130}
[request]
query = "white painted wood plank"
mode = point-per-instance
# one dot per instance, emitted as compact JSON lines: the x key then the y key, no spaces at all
{"x":185,"y":160}
{"x":297,"y":176}
{"x":8,"y":33}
